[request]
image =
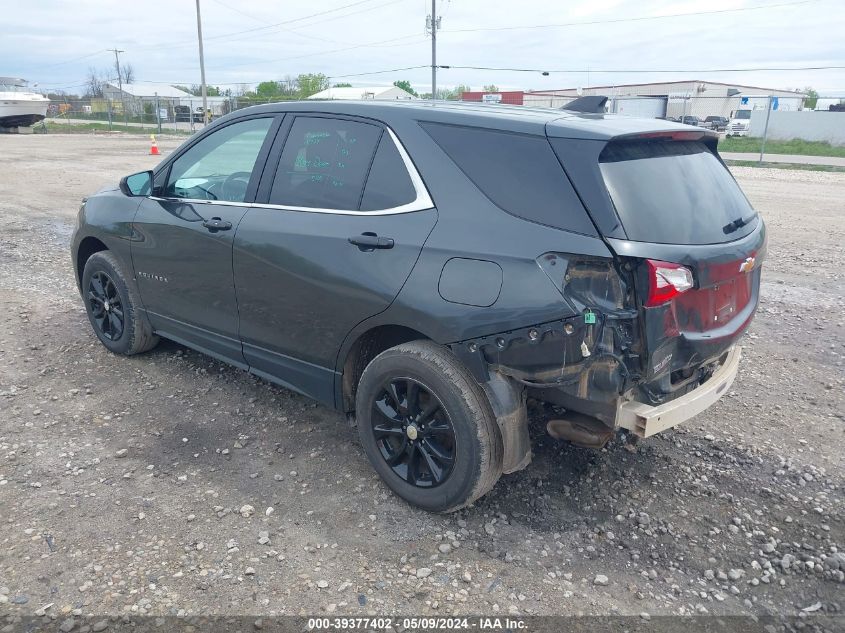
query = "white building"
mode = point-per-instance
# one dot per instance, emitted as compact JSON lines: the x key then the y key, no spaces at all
{"x":672,"y":98}
{"x":142,"y":96}
{"x":379,"y":93}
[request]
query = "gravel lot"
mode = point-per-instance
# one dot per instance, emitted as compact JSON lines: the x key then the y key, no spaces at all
{"x":169,"y":483}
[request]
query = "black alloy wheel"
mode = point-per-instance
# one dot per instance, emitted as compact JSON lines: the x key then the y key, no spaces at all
{"x":106,"y":306}
{"x":413,"y":433}
{"x":113,"y":306}
{"x":427,"y":426}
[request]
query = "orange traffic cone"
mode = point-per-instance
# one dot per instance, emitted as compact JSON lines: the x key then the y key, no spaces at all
{"x":153,"y":148}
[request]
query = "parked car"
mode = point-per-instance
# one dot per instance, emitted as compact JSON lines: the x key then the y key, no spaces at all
{"x":718,"y":123}
{"x":185,"y":114}
{"x":689,"y":119}
{"x":424,"y":270}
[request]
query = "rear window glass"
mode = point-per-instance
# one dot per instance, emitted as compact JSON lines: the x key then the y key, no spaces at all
{"x":519,"y":173}
{"x":324,"y":163}
{"x":674,"y":192}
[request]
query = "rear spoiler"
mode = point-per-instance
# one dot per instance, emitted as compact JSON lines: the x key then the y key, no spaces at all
{"x":708,"y":137}
{"x":592,"y":104}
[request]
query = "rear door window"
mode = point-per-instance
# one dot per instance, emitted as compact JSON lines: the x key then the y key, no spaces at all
{"x":324,"y":163}
{"x":674,"y":192}
{"x":519,"y":173}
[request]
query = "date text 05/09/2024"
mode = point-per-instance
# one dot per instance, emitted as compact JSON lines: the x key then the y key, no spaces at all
{"x":416,"y":624}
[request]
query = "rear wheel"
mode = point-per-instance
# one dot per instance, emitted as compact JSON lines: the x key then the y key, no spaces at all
{"x":427,"y":427}
{"x":113,"y":307}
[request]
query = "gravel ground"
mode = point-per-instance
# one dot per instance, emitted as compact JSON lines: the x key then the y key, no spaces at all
{"x":169,"y":483}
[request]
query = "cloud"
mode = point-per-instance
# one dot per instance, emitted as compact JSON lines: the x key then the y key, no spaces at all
{"x":54,"y":42}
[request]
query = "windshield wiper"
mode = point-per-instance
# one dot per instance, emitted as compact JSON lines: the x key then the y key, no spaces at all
{"x":730,"y":227}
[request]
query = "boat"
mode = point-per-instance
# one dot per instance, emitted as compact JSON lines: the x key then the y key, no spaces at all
{"x":20,"y":106}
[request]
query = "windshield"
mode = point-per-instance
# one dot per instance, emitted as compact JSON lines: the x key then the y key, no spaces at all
{"x":674,"y":192}
{"x":743,"y":114}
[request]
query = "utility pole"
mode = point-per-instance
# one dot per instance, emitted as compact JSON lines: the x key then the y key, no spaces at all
{"x":202,"y":68}
{"x":765,"y":129}
{"x":433,"y":23}
{"x":117,"y":53}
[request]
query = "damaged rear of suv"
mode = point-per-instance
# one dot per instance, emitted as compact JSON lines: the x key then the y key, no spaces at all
{"x":681,"y":288}
{"x":424,"y":268}
{"x":652,"y":291}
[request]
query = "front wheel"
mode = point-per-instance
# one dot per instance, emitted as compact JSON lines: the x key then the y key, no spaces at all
{"x":427,"y":427}
{"x":113,"y":307}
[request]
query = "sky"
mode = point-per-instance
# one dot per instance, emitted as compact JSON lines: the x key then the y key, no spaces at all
{"x":593,"y":42}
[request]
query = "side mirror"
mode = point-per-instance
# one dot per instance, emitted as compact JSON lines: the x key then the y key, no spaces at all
{"x":140,"y":184}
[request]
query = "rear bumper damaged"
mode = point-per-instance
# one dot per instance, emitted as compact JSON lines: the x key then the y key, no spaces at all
{"x":645,"y":420}
{"x":588,"y":371}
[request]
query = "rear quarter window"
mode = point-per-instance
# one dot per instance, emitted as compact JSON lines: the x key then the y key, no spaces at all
{"x":674,"y":192}
{"x":519,"y":173}
{"x":388,"y":185}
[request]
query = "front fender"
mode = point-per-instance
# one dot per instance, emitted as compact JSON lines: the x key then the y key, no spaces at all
{"x":104,"y":220}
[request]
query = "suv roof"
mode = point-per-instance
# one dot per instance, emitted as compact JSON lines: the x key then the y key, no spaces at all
{"x":525,"y":119}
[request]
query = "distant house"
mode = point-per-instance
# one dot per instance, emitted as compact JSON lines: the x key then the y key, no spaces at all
{"x":141,"y":96}
{"x":378,"y":93}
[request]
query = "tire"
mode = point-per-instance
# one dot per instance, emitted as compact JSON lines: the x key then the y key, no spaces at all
{"x":113,"y":307}
{"x":462,"y":426}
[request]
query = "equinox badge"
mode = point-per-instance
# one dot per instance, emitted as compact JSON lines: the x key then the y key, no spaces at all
{"x":748,"y":265}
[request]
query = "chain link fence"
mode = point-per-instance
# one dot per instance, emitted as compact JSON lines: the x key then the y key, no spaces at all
{"x":150,"y":115}
{"x":757,"y":118}
{"x":749,"y":119}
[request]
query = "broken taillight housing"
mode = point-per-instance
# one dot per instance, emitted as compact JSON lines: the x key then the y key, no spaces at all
{"x":666,"y":281}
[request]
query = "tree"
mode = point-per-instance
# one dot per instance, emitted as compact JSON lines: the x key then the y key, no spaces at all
{"x":491,"y":88}
{"x":94,"y":83}
{"x":210,"y":91}
{"x":447,"y":94}
{"x":267,"y":90}
{"x":196,"y":90}
{"x":127,"y":73}
{"x":342,"y":86}
{"x":457,"y":92}
{"x":811,"y":99}
{"x":310,"y":84}
{"x":406,"y":86}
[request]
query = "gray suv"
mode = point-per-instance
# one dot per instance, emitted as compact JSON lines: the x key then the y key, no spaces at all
{"x":425,"y":268}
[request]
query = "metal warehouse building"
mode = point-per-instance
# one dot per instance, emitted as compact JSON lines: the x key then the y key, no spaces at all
{"x":669,"y":99}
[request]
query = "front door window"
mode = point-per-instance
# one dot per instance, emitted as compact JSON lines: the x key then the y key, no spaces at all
{"x":219,"y":167}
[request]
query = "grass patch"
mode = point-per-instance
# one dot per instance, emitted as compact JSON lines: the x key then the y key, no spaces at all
{"x":795,"y":146}
{"x":800,"y":167}
{"x":51,"y":127}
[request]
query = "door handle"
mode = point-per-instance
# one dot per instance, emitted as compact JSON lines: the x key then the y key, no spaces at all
{"x":370,"y":241}
{"x":217,"y":224}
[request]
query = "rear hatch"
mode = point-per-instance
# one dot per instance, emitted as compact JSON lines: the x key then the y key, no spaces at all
{"x":681,"y":227}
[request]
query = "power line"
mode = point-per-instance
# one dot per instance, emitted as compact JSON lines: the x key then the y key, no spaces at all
{"x":336,"y":50}
{"x":308,"y":17}
{"x":643,"y":70}
{"x":75,"y":59}
{"x":631,"y":19}
{"x":292,"y":31}
{"x":380,"y":72}
{"x":239,"y":83}
{"x":234,"y":36}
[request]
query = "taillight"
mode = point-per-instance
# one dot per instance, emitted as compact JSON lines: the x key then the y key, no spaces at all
{"x":665,"y":281}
